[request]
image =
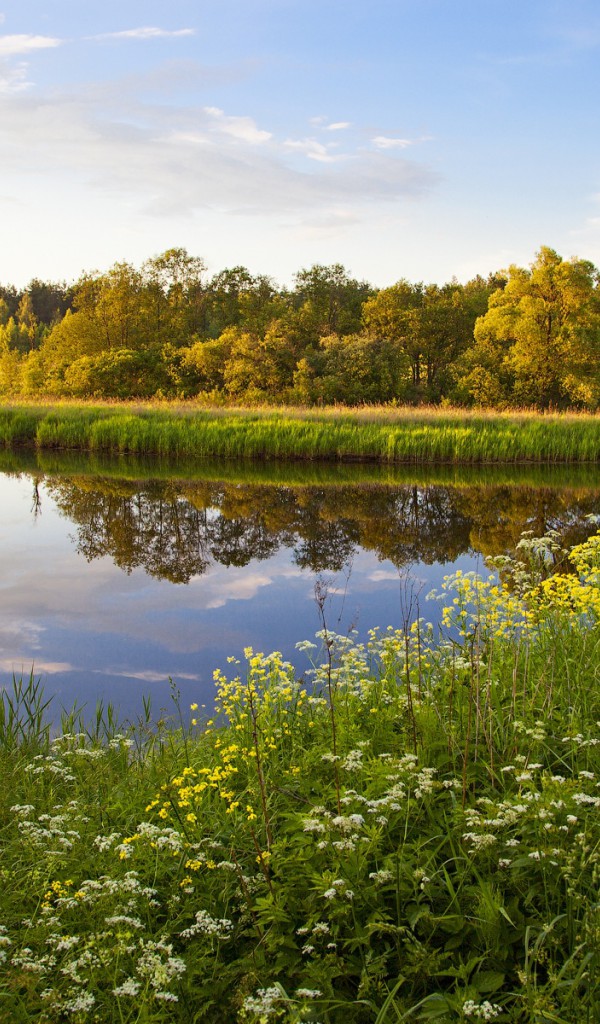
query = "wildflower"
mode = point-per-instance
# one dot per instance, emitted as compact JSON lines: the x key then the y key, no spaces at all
{"x":207,"y":925}
{"x":264,"y":1003}
{"x":482,"y":1011}
{"x":381,"y":877}
{"x":479,"y":841}
{"x":80,"y":1004}
{"x":130,"y":987}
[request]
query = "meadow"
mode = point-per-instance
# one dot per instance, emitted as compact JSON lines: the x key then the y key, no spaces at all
{"x":383,"y":434}
{"x":408,"y":832}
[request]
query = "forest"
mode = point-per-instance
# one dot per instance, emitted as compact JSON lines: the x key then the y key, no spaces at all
{"x":521,"y":337}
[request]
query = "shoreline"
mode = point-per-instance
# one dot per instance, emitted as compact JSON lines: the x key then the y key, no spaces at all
{"x":374,"y":435}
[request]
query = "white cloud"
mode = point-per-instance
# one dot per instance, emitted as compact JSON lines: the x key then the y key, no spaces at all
{"x":13,"y":46}
{"x":109,"y":142}
{"x":24,"y":668}
{"x":242,"y":128}
{"x":385,"y":142}
{"x":313,"y":149}
{"x":243,"y":587}
{"x":13,"y":78}
{"x":338,"y":126}
{"x":145,"y":675}
{"x":16,"y":631}
{"x":146,"y":32}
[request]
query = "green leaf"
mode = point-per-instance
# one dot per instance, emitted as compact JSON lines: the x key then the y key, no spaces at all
{"x":488,"y":981}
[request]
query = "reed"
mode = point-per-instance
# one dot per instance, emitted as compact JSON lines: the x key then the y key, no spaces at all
{"x":391,"y":436}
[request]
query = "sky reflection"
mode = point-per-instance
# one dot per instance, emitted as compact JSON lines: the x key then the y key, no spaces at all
{"x":92,"y":630}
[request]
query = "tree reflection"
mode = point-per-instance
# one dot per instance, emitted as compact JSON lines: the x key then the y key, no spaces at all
{"x":175,"y":530}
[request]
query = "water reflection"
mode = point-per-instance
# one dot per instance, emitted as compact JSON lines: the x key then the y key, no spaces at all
{"x":175,"y":530}
{"x":119,"y":575}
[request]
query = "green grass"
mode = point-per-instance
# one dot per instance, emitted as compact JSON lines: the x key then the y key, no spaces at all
{"x":409,"y":834}
{"x":391,"y":436}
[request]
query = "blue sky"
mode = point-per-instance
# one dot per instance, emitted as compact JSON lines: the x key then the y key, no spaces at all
{"x":403,"y":138}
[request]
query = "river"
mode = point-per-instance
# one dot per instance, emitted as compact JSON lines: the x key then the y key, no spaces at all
{"x":119,"y":575}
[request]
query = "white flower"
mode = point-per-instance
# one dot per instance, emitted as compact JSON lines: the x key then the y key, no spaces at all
{"x":482,"y":1011}
{"x":264,"y":1002}
{"x":130,"y":987}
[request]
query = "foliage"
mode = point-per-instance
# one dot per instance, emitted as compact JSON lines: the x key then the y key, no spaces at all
{"x":544,"y":329}
{"x":522,"y":337}
{"x":410,"y":832}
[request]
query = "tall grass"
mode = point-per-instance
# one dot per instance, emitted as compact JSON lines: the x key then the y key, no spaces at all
{"x":391,"y":436}
{"x":411,"y":833}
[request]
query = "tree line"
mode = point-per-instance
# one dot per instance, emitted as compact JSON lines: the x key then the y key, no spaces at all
{"x":519,"y":337}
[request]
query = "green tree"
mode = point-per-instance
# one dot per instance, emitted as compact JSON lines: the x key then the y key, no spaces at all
{"x":173,"y":296}
{"x":429,"y":324}
{"x":10,"y":359}
{"x":112,"y":303}
{"x":50,"y":300}
{"x":546,"y":324}
{"x":353,"y":369}
{"x":328,"y":301}
{"x":201,"y":367}
{"x":393,"y":314}
{"x":118,"y":373}
{"x":260,"y":366}
{"x":28,"y":324}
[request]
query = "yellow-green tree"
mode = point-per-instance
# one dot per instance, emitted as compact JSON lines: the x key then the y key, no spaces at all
{"x":544,"y":330}
{"x":430,"y":325}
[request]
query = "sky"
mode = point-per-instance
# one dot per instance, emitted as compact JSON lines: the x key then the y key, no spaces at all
{"x":418,"y":139}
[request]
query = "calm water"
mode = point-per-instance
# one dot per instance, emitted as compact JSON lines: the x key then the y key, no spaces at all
{"x":117,"y":576}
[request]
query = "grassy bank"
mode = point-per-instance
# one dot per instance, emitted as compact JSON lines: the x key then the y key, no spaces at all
{"x":412,"y":835}
{"x":385,"y":435}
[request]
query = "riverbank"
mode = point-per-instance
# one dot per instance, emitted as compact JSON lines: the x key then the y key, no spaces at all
{"x":386,"y":435}
{"x":412,"y":835}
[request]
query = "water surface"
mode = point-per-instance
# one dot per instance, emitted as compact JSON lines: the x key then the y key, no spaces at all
{"x":117,"y":575}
